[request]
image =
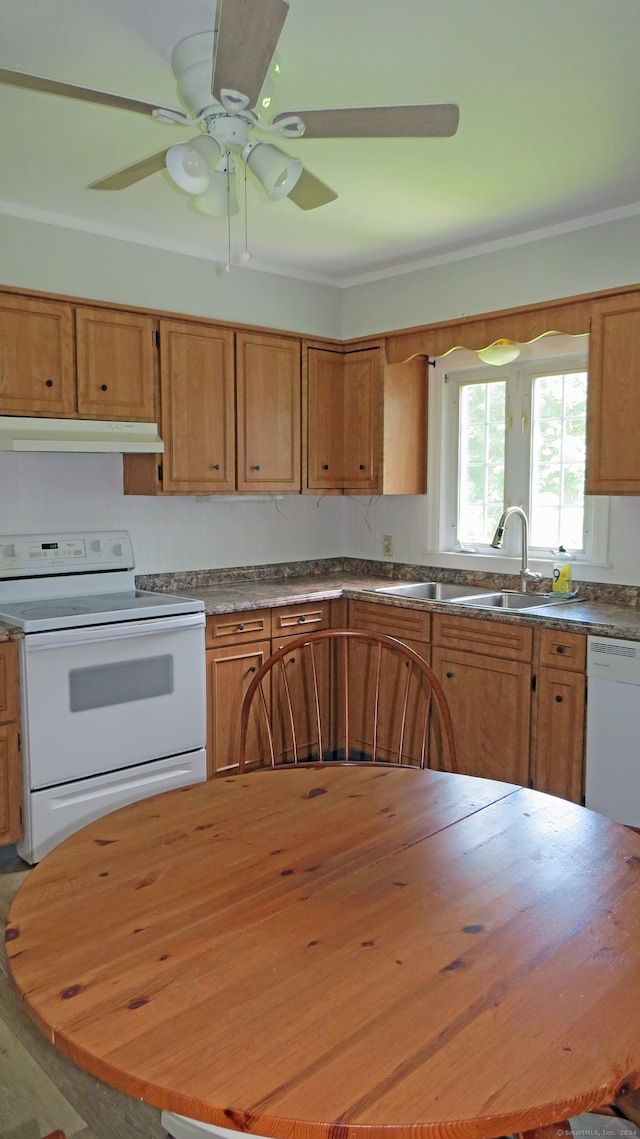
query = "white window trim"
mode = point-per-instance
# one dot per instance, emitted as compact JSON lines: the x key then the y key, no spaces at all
{"x":537,"y":359}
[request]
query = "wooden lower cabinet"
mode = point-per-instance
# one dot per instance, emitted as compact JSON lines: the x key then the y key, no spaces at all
{"x":229,"y":672}
{"x":238,"y":644}
{"x":413,"y":628}
{"x":559,"y":707}
{"x":293,"y":698}
{"x":10,"y":768}
{"x":489,"y":701}
{"x":517,"y":700}
{"x":488,"y":690}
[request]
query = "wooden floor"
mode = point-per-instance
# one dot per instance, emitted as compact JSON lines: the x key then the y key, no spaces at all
{"x":40,"y":1089}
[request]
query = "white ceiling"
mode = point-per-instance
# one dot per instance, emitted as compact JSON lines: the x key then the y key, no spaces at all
{"x":549,"y":96}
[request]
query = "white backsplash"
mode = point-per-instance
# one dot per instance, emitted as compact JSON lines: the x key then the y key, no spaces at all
{"x":46,"y":492}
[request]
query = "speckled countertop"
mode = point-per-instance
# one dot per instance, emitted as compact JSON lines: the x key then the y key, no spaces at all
{"x":611,"y":611}
{"x":607,"y":617}
{"x":9,"y":633}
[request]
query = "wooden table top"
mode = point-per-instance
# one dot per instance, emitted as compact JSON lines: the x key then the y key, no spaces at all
{"x":341,"y":952}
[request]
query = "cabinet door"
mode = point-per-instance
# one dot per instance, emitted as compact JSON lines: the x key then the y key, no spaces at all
{"x":362,"y":442}
{"x":115,"y":354}
{"x":344,"y":393}
{"x":229,"y":673}
{"x":325,"y":443}
{"x":36,"y":357}
{"x":489,"y":700}
{"x":10,"y":769}
{"x":197,"y":405}
{"x":613,"y":407}
{"x":395,"y":693}
{"x":268,"y":404}
{"x":295,"y":697}
{"x":10,"y":785}
{"x":9,"y":693}
{"x":558,"y":761}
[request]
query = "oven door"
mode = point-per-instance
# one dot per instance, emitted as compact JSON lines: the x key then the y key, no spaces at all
{"x":107,"y":697}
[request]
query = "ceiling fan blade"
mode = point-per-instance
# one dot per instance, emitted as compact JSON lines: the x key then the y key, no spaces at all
{"x":309,"y":192}
{"x":245,"y":40}
{"x":436,"y":120}
{"x":131,"y":174}
{"x":52,"y":87}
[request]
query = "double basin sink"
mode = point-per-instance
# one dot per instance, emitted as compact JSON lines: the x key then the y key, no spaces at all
{"x":474,"y":596}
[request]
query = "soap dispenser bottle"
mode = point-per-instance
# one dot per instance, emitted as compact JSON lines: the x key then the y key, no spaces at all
{"x":561,"y":573}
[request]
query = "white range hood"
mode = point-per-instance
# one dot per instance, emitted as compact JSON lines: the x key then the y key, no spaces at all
{"x":20,"y":433}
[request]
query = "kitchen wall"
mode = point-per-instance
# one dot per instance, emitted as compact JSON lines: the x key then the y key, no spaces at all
{"x":58,"y":491}
{"x":503,"y":275}
{"x":560,"y":264}
{"x":44,"y":493}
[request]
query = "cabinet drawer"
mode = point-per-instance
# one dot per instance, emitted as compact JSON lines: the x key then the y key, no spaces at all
{"x":394,"y":620}
{"x":236,"y":628}
{"x":309,"y":616}
{"x":8,"y":682}
{"x":563,"y":650}
{"x":473,"y":635}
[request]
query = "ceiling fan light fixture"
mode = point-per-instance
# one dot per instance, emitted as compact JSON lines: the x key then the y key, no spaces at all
{"x":190,"y":163}
{"x":219,"y":200}
{"x":276,"y":171}
{"x":500,"y":352}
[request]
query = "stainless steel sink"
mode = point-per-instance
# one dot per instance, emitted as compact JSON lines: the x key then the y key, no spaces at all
{"x":432,"y":591}
{"x":505,"y":599}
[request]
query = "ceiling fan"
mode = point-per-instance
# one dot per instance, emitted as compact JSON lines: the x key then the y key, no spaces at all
{"x":221,"y":76}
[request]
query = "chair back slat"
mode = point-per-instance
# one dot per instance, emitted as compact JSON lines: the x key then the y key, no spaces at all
{"x":316,"y":701}
{"x":373,"y":700}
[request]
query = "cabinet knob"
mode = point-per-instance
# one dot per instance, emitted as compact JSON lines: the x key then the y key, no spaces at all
{"x":256,"y":467}
{"x":559,"y":699}
{"x":240,"y":628}
{"x":325,"y":466}
{"x":103,"y":387}
{"x":216,"y":466}
{"x":301,"y":619}
{"x":559,"y":648}
{"x":49,"y":383}
{"x":252,"y":668}
{"x":292,"y":660}
{"x":449,"y":676}
{"x":361,"y":467}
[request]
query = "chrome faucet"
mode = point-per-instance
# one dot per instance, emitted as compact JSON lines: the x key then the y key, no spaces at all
{"x":525,"y":573}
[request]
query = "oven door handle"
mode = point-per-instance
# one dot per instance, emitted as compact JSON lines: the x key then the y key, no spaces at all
{"x":94,"y":634}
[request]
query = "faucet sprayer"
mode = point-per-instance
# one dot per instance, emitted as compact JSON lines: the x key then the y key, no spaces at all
{"x":525,"y":573}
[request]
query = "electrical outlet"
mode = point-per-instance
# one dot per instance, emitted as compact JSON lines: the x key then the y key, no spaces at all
{"x":387,"y":546}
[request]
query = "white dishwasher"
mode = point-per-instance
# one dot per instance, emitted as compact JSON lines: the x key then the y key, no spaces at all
{"x":613,"y":729}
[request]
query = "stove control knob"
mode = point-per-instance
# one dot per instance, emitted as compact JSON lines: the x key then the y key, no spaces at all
{"x":96,"y":545}
{"x":10,"y":551}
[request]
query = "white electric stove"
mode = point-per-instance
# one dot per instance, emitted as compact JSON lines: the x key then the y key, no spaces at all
{"x":112,"y":681}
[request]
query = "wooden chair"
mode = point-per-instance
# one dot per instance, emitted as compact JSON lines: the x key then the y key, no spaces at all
{"x":348,"y":696}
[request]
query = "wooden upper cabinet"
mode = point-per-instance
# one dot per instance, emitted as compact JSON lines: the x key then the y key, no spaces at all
{"x":343,"y":420}
{"x":366,"y":422}
{"x":613,"y":408}
{"x":36,"y":357}
{"x":268,"y":412}
{"x":197,"y":407}
{"x":115,"y":359}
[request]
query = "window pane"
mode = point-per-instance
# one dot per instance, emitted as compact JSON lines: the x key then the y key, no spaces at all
{"x":481,"y":450}
{"x":558,"y":460}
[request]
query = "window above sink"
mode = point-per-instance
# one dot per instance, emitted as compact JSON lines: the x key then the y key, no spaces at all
{"x":512,"y":434}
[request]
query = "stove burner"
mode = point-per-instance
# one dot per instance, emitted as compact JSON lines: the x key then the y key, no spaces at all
{"x":41,"y":612}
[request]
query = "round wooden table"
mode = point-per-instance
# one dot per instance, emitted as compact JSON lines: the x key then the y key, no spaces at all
{"x":348,"y":951}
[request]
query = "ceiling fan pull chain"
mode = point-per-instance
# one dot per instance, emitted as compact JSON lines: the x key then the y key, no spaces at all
{"x":245,"y":255}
